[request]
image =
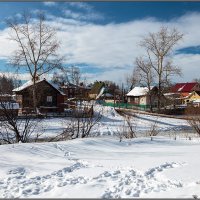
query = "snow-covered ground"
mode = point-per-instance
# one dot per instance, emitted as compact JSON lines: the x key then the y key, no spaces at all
{"x":111,"y":123}
{"x":101,"y":166}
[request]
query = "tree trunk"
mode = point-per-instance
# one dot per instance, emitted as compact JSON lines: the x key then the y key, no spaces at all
{"x":34,"y":95}
{"x":159,"y":99}
{"x":150,"y":102}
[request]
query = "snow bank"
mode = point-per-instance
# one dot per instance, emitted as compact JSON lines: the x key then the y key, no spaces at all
{"x":111,"y":123}
{"x":101,"y":168}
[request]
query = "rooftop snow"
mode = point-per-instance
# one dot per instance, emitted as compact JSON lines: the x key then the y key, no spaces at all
{"x":139,"y":91}
{"x":29,"y":83}
{"x":25,"y":85}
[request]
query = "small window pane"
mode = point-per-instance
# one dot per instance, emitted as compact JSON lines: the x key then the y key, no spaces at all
{"x":49,"y":98}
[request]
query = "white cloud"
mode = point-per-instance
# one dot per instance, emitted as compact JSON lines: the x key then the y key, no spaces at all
{"x":19,"y":76}
{"x":82,"y":16}
{"x":81,"y":11}
{"x":189,"y":64}
{"x":113,"y":47}
{"x":80,"y":5}
{"x":49,"y":3}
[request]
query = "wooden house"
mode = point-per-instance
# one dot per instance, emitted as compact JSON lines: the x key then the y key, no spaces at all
{"x":184,"y":93}
{"x":49,"y":98}
{"x":185,"y":87}
{"x":192,"y":97}
{"x":97,"y":90}
{"x":139,"y":96}
{"x":75,"y":91}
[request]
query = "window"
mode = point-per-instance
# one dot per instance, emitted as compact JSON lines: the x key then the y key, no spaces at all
{"x":49,"y":98}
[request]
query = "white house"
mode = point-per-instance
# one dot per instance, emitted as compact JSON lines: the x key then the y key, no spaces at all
{"x":140,"y":96}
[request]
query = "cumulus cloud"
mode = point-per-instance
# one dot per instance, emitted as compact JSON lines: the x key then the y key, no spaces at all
{"x":82,"y":16}
{"x":49,"y":3}
{"x":80,"y":5}
{"x":81,"y":11}
{"x":113,"y":47}
{"x":189,"y":64}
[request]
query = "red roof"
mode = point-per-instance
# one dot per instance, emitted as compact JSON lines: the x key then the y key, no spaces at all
{"x":183,"y":87}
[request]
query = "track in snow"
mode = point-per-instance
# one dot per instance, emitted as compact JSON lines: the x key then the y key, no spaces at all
{"x":122,"y":183}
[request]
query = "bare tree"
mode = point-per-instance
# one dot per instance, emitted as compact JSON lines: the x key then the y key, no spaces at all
{"x":75,"y":75}
{"x":6,"y":84}
{"x":196,"y":80}
{"x":14,"y":129}
{"x":158,"y":47}
{"x":193,"y":118}
{"x":144,"y":72}
{"x":132,"y":79}
{"x":128,"y":128}
{"x":153,"y":130}
{"x":131,"y":128}
{"x":67,"y":75}
{"x":37,"y":46}
{"x":80,"y":124}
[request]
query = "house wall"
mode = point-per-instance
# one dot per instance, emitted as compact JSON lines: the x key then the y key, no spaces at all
{"x":46,"y":96}
{"x":142,"y":100}
{"x":194,"y":96}
{"x":133,"y":100}
{"x":60,"y":101}
{"x":92,"y":96}
{"x":72,"y":92}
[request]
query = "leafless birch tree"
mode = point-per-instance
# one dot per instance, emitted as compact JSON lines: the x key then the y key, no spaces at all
{"x":37,"y":46}
{"x":145,"y":76}
{"x":158,"y":47}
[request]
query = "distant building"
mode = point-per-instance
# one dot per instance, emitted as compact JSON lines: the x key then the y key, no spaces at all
{"x":192,"y":97}
{"x":75,"y":91}
{"x":184,"y":93}
{"x":97,"y":90}
{"x":8,"y":103}
{"x":140,"y":96}
{"x":185,"y":87}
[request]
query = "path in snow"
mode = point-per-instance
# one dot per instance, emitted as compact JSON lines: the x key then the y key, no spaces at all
{"x":122,"y":183}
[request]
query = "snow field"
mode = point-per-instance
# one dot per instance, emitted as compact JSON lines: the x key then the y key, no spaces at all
{"x":111,"y":124}
{"x":101,"y":168}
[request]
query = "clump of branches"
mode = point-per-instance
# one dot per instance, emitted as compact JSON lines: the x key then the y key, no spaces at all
{"x":80,"y":124}
{"x":131,"y":128}
{"x":128,"y":129}
{"x":14,"y":129}
{"x":193,"y":118}
{"x":153,"y":130}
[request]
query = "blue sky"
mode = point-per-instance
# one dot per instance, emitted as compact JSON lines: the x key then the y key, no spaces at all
{"x":102,"y":37}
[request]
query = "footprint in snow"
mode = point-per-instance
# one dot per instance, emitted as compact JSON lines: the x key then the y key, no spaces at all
{"x":134,"y":183}
{"x":18,"y":185}
{"x":18,"y":171}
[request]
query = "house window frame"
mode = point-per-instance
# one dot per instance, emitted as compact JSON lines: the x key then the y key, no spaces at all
{"x":49,"y":99}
